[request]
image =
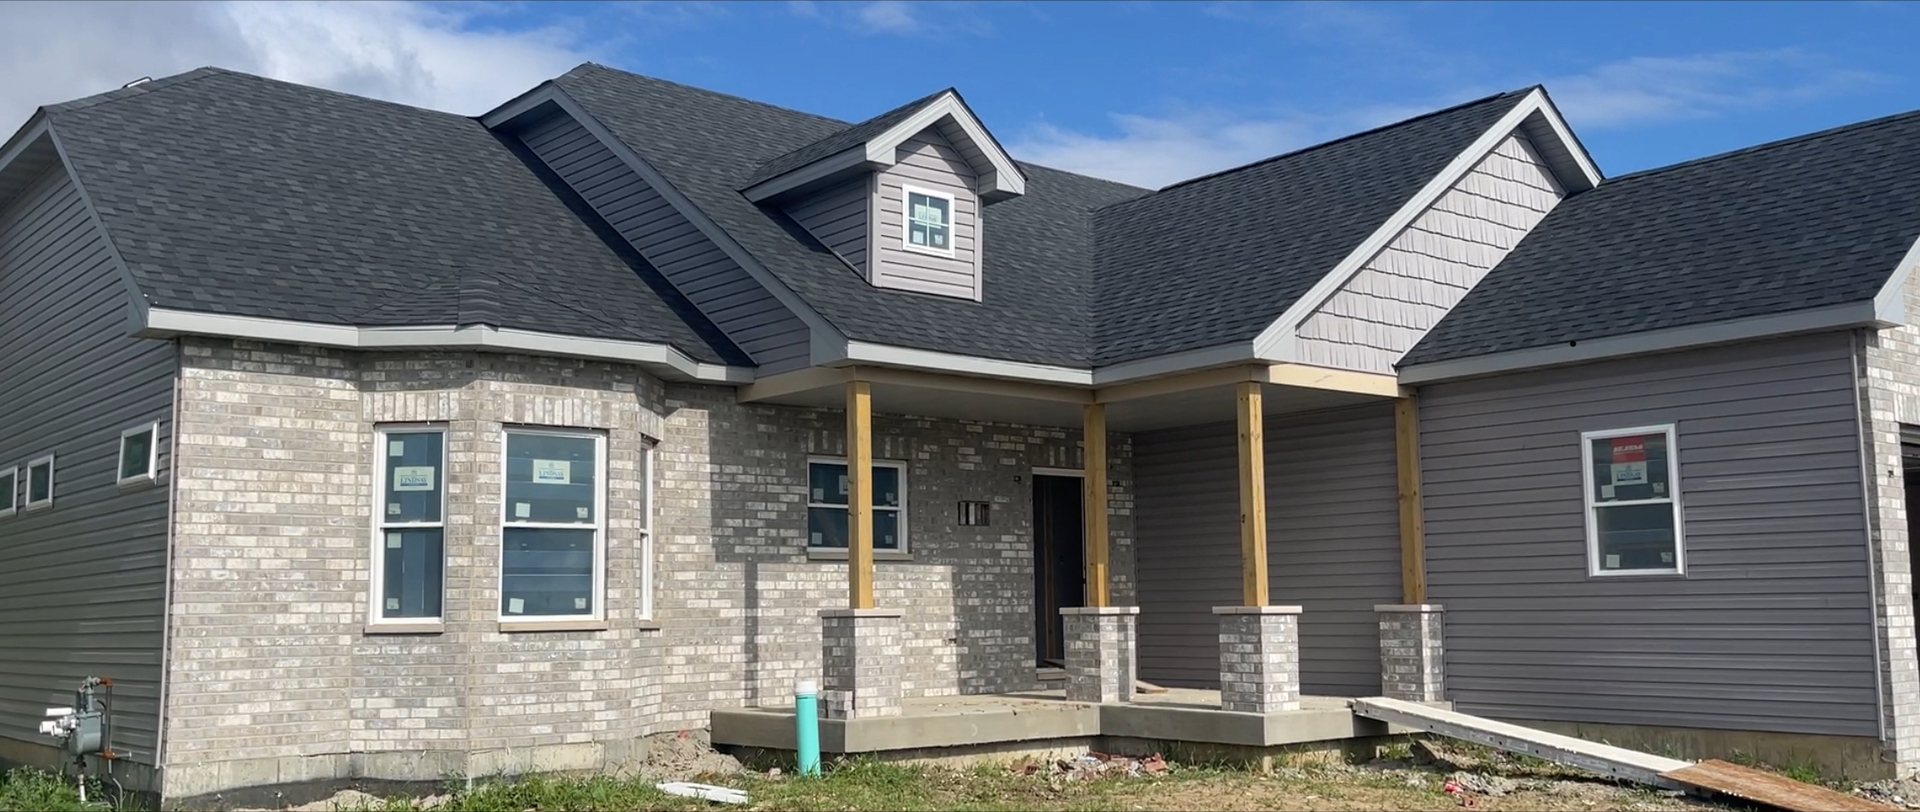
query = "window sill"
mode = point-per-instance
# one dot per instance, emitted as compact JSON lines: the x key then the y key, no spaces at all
{"x":36,"y":507}
{"x":423,"y":627}
{"x":581,"y":625}
{"x":137,"y":483}
{"x":837,"y":554}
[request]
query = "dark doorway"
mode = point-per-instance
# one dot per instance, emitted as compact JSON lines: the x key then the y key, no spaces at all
{"x":1059,"y":561}
{"x":1910,"y":471}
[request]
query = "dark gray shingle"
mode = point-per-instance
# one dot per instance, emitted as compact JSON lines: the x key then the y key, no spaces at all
{"x":233,"y":194}
{"x":841,"y":141}
{"x":1808,"y":222}
{"x":1216,"y":259}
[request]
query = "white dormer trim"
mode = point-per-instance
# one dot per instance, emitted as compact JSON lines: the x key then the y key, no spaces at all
{"x":998,"y":179}
{"x":1278,"y":342}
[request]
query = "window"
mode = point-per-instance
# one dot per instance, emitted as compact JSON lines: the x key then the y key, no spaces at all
{"x":410,"y":538}
{"x":827,"y":488}
{"x":40,"y":483}
{"x":554,"y":525}
{"x":139,"y":454}
{"x":1633,"y":502}
{"x":646,"y":530}
{"x":9,"y":491}
{"x":929,"y":221}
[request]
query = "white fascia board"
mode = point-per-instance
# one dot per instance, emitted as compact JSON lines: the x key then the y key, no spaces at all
{"x":163,"y":322}
{"x":860,"y":352}
{"x":1004,"y":178}
{"x":1589,"y":171}
{"x":816,"y":323}
{"x":852,"y":159}
{"x":1273,"y":340}
{"x":1890,"y":304}
{"x":1837,"y":317}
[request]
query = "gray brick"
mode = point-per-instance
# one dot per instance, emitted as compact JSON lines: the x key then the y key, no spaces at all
{"x":1411,"y":652}
{"x":1259,"y":658}
{"x":1100,"y":646}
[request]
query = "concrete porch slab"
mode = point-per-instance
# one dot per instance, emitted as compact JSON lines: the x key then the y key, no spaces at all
{"x":1179,"y":715}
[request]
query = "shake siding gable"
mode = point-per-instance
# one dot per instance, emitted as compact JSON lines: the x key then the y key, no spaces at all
{"x":1771,"y":628}
{"x":1411,"y":284}
{"x":928,"y":161}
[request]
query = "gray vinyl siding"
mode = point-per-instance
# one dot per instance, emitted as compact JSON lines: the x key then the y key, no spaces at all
{"x":82,"y":583}
{"x":838,"y":218}
{"x":1333,"y":543}
{"x":929,"y":162}
{"x":1772,"y":627}
{"x":738,"y":304}
{"x":1411,"y":284}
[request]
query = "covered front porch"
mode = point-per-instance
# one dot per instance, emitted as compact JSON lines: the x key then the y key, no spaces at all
{"x":1256,"y":646}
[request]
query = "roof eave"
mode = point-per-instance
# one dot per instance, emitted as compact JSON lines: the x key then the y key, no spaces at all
{"x":1822,"y":319}
{"x":660,"y":359}
{"x":845,"y":163}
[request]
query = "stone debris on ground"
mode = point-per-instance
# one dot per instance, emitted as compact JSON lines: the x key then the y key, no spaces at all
{"x":684,"y":755}
{"x":353,"y":800}
{"x":1092,"y":766}
{"x":1903,"y":793}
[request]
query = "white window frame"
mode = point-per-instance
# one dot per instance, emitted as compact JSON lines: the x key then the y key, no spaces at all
{"x":1588,"y":488}
{"x":376,"y":589}
{"x":153,"y":456}
{"x":599,"y":527}
{"x":647,"y":459}
{"x":13,"y":497}
{"x":899,"y":466}
{"x":28,"y":487}
{"x":906,"y":221}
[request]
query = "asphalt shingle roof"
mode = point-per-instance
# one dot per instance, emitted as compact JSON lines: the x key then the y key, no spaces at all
{"x":1036,"y":303}
{"x":232,"y":194}
{"x":1216,"y":259}
{"x":841,"y":141}
{"x":1809,"y":222}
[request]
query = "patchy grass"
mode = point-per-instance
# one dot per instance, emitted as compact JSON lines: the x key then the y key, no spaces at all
{"x":863,"y":785}
{"x":30,"y":790}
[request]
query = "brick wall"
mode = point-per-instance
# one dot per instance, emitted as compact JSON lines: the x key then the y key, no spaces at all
{"x":269,"y":655}
{"x":1889,"y":397}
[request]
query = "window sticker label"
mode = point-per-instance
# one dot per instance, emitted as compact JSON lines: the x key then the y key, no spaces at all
{"x":1613,"y":561}
{"x":393,"y":508}
{"x":413,"y":478}
{"x":522,"y":510}
{"x":579,"y":603}
{"x":582,"y":512}
{"x":393,"y":541}
{"x":1606,"y":491}
{"x":393,"y":603}
{"x":1629,"y":461}
{"x":516,"y":606}
{"x":553,"y":472}
{"x":396,"y":448}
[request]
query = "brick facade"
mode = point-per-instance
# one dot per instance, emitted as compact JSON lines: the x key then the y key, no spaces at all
{"x":1889,"y":397}
{"x":1259,"y":658}
{"x":270,"y":656}
{"x":1412,"y":649}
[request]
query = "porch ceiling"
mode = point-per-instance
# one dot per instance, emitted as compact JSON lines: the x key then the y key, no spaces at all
{"x":1191,"y":407}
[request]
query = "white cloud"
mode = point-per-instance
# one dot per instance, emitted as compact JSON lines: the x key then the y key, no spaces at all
{"x":1658,"y":88}
{"x":1153,"y":151}
{"x":401,"y":51}
{"x":888,"y":17}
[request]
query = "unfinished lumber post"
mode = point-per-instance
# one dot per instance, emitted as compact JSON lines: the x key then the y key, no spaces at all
{"x":1253,"y":496}
{"x":1413,"y":544}
{"x":1094,"y":483}
{"x":859,"y":495}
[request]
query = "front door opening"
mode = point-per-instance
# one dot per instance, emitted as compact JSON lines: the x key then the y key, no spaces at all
{"x":1910,"y":471}
{"x":1059,"y":561}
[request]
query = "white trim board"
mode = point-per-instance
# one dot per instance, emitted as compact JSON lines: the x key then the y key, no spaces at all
{"x":665,"y":360}
{"x":1838,"y":317}
{"x":999,"y":179}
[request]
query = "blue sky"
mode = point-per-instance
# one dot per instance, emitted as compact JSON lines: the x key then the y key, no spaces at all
{"x":1148,"y":92}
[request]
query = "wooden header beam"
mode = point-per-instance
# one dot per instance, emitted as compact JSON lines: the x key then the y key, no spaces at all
{"x":1253,"y":495}
{"x":1094,"y":498}
{"x":859,"y":495}
{"x":1413,"y":531}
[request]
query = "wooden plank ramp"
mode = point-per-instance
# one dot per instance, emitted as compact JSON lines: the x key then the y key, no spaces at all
{"x":1604,"y":759}
{"x":1762,"y":787}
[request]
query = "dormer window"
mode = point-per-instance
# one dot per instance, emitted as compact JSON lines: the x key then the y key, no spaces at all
{"x":929,"y":222}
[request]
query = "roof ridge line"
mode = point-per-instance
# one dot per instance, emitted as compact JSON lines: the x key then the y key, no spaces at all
{"x":131,"y":90}
{"x":1345,"y":138}
{"x":708,"y":91}
{"x":1766,"y":145}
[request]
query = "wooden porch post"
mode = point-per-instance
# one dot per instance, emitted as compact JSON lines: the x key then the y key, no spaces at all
{"x":859,"y":495}
{"x":1253,"y":496}
{"x":1094,"y":484}
{"x":1413,"y":533}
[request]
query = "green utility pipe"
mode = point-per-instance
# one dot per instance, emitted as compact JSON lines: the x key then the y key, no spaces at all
{"x":806,"y":722}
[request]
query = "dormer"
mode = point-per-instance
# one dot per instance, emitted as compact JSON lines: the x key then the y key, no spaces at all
{"x":899,"y":196}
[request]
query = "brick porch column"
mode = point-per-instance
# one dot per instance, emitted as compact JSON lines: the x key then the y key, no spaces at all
{"x":1100,"y":646}
{"x":863,"y":653}
{"x":1411,"y":642}
{"x":1259,"y":658}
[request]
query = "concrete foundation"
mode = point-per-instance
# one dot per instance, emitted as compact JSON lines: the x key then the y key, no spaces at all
{"x":1101,"y":642}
